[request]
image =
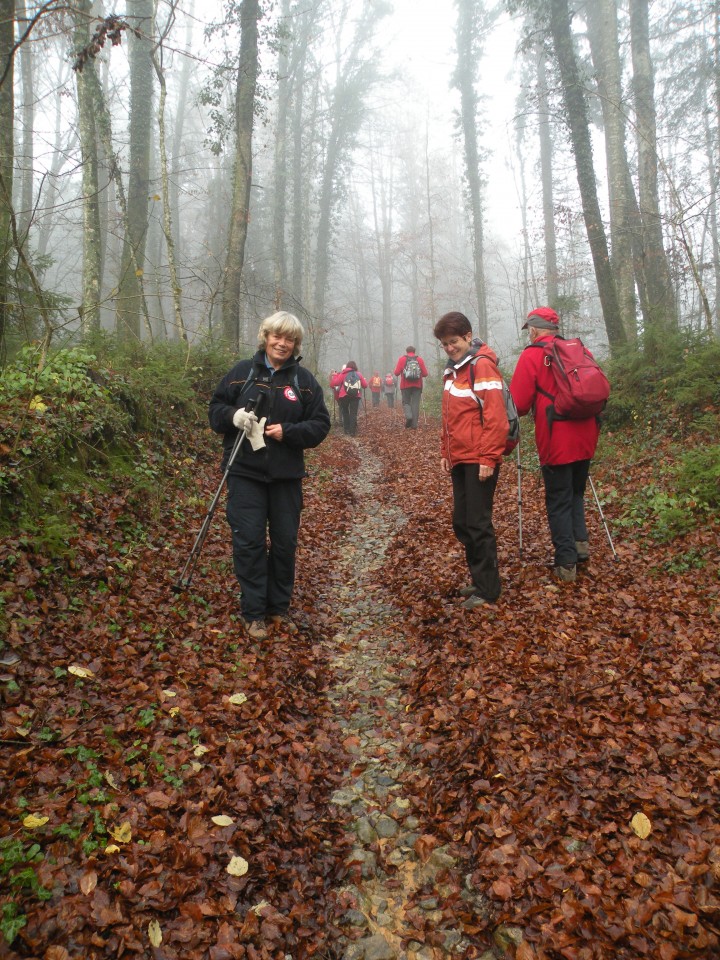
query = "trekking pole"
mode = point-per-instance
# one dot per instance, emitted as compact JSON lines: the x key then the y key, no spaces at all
{"x":189,"y":569}
{"x":602,"y":517}
{"x":519,"y":499}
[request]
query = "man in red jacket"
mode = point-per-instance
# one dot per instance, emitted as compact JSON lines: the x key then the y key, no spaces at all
{"x":411,"y":369}
{"x":565,"y":447}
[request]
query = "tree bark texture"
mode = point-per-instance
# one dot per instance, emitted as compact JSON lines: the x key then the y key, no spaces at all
{"x":130,"y":285}
{"x":576,"y":111}
{"x":661,"y":307}
{"x":7,"y":120}
{"x":242,"y":179}
{"x":464,"y":80}
{"x":26,"y":192}
{"x":602,"y":24}
{"x":548,"y":202}
{"x":92,"y":246}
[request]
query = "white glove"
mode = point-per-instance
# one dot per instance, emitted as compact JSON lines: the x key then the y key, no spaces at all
{"x":255,"y":434}
{"x":244,"y":419}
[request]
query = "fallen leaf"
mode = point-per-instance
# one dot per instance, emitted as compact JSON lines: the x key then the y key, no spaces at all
{"x":154,"y":933}
{"x":222,"y":821}
{"x":88,"y":882}
{"x":77,"y":671}
{"x":123,"y":833}
{"x":32,"y":822}
{"x":238,"y":867}
{"x":641,"y":825}
{"x":237,"y":699}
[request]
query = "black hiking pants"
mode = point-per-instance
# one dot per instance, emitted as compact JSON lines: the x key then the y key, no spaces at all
{"x":258,"y":512}
{"x":473,"y":526}
{"x":565,"y":504}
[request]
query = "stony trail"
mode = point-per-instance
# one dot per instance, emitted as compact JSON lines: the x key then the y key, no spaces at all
{"x":394,"y":906}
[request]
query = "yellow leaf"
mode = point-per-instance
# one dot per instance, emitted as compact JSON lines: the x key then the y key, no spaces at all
{"x":32,"y":822}
{"x":139,"y":272}
{"x":77,"y":671}
{"x":200,"y":750}
{"x":174,"y":711}
{"x":641,"y":825}
{"x":156,"y":196}
{"x":123,"y":833}
{"x":110,"y":780}
{"x":222,"y":821}
{"x":154,"y":933}
{"x":238,"y":867}
{"x":237,"y":699}
{"x":112,"y":848}
{"x":169,"y":693}
{"x":37,"y":404}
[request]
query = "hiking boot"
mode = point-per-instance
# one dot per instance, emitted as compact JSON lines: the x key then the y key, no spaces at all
{"x":283,"y":624}
{"x":583,"y":550}
{"x":473,"y":602}
{"x":468,"y":591}
{"x":566,"y":574}
{"x":256,"y":629}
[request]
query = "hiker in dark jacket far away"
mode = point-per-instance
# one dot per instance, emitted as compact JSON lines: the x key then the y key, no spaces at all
{"x":411,"y":369}
{"x":281,"y":408}
{"x":350,"y":383}
{"x":565,"y":447}
{"x":474,"y":435}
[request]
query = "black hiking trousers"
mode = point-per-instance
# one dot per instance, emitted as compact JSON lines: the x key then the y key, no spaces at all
{"x":473,"y":526}
{"x":565,"y":504}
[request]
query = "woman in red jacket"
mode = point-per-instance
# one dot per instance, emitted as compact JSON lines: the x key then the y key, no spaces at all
{"x":350,"y":384}
{"x":474,"y":433}
{"x":565,"y":447}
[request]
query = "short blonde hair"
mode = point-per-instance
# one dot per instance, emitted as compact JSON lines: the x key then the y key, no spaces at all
{"x":283,"y":323}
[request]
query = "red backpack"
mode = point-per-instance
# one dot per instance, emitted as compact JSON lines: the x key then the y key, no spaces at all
{"x":582,"y":389}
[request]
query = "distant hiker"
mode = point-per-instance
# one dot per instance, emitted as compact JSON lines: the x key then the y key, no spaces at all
{"x":474,"y":435}
{"x":411,"y":369}
{"x":376,"y":388}
{"x":351,"y":384}
{"x":389,"y":388}
{"x":280,"y":406}
{"x":565,"y":447}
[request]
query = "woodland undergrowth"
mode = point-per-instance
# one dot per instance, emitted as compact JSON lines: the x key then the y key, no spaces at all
{"x":164,"y":778}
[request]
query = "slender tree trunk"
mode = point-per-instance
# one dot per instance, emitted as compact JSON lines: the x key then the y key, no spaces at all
{"x":576,"y":110}
{"x":178,"y":129}
{"x":7,"y":119}
{"x":132,"y":265}
{"x":240,"y":213}
{"x":661,"y":306}
{"x":602,"y":24}
{"x":546,"y":151}
{"x":180,"y":330}
{"x":284,"y":93}
{"x":25,"y":204}
{"x":90,"y":309}
{"x":464,"y":79}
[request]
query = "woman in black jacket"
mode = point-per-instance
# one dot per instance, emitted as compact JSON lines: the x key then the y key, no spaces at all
{"x":280,"y":407}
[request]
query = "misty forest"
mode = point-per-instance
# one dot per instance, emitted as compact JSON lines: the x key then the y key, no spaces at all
{"x":400,"y":776}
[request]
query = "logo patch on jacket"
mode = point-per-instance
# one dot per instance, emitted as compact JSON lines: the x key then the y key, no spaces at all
{"x":290,"y":394}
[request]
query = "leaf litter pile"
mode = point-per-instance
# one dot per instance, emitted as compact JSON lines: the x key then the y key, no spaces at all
{"x":167,"y":785}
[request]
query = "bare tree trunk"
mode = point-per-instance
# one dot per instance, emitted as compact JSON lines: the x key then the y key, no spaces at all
{"x":7,"y":119}
{"x":662,"y":311}
{"x":92,"y":278}
{"x":382,"y":220}
{"x":464,"y":80}
{"x":25,"y":200}
{"x":130,"y":294}
{"x":576,"y":111}
{"x":178,"y":129}
{"x":180,"y":330}
{"x":240,"y":213}
{"x":601,"y":18}
{"x":546,"y":151}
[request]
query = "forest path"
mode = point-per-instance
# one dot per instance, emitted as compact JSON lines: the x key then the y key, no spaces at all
{"x":394,"y":905}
